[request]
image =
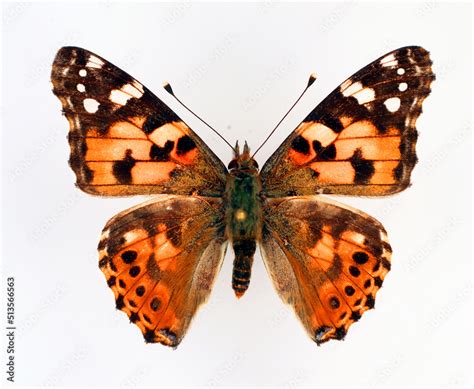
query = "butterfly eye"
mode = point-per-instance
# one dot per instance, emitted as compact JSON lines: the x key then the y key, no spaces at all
{"x":254,"y":163}
{"x":233,"y":164}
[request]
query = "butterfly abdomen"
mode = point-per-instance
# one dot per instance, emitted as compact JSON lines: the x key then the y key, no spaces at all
{"x":243,"y":223}
{"x":244,"y":251}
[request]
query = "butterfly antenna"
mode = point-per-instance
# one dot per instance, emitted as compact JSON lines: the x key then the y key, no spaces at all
{"x":312,"y":78}
{"x":168,"y":88}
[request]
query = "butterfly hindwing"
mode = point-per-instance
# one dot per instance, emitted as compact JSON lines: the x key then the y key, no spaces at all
{"x":326,"y":260}
{"x":124,"y":140}
{"x":361,"y":139}
{"x":160,"y":259}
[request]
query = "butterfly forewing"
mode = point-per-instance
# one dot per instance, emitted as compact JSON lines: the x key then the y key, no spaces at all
{"x":361,"y":139}
{"x":124,"y":140}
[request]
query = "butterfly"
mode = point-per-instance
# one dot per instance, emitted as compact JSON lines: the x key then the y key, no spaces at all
{"x":161,"y":258}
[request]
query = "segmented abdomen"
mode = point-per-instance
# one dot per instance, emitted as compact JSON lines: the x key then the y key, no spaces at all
{"x":244,"y":251}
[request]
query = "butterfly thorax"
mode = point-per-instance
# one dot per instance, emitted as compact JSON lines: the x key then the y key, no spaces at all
{"x":243,"y":215}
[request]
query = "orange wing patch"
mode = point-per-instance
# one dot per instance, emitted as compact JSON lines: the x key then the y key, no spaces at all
{"x":160,"y":260}
{"x":113,"y":159}
{"x":333,"y":260}
{"x":144,"y":160}
{"x":353,"y":291}
{"x":355,"y":156}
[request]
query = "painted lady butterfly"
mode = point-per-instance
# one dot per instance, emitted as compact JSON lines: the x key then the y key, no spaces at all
{"x":160,"y":258}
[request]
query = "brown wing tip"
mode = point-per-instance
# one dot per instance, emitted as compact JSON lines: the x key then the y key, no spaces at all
{"x":325,"y":333}
{"x":163,"y":336}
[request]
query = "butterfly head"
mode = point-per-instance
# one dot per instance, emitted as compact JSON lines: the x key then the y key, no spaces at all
{"x":242,"y":161}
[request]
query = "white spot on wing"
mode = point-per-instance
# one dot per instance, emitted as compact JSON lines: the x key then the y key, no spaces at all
{"x":81,"y":88}
{"x":94,"y":62}
{"x":119,"y":97}
{"x":402,"y":87}
{"x":392,"y":104}
{"x":351,"y":89}
{"x":400,"y":71}
{"x":105,"y":234}
{"x":139,"y":86}
{"x":345,"y":84}
{"x":388,"y":58}
{"x":133,"y":89}
{"x":83,"y":72}
{"x":365,"y":95}
{"x":93,"y":65}
{"x":358,"y":238}
{"x":389,"y":61}
{"x":130,"y":236}
{"x":91,"y":105}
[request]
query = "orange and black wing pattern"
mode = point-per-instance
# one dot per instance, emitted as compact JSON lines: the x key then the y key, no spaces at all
{"x":124,"y":140}
{"x":361,"y":139}
{"x":160,"y":259}
{"x":326,"y":260}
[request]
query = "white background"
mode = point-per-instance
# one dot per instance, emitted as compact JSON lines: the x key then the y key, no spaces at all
{"x":240,"y":66}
